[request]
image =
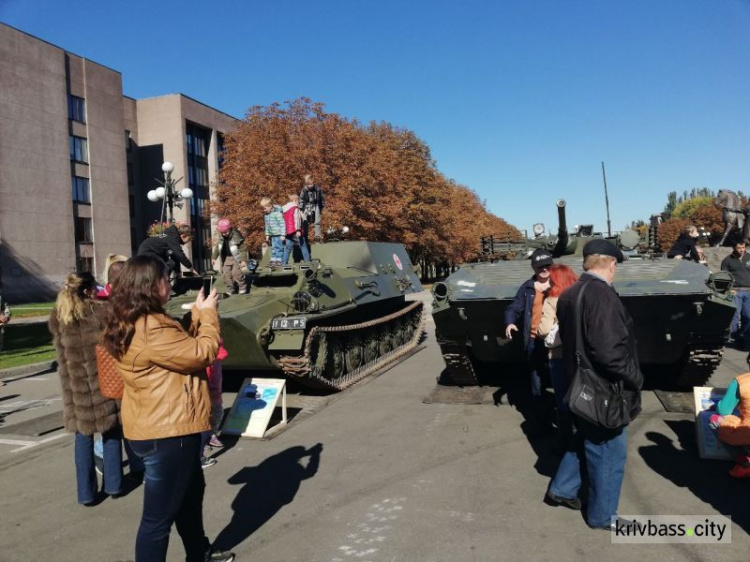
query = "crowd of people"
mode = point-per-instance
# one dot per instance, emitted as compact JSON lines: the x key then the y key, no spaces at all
{"x":171,"y":408}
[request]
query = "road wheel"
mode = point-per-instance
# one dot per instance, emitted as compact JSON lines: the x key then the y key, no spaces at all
{"x":370,"y":346}
{"x":385,"y":341}
{"x":353,"y":353}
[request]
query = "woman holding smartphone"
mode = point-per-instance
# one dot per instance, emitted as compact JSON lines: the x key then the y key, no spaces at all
{"x":166,"y":404}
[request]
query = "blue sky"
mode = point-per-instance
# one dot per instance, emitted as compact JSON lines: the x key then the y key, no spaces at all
{"x":521,"y":100}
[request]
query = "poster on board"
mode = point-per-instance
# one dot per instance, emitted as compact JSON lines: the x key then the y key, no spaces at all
{"x":253,"y":407}
{"x":709,"y":446}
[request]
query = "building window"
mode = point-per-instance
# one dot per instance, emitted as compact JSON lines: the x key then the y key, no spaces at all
{"x":84,"y":233}
{"x":220,"y":148}
{"x":81,"y":191}
{"x":131,"y":204}
{"x":127,"y":140}
{"x":79,"y":149}
{"x":85,"y":265}
{"x":76,"y":108}
{"x":130,"y":173}
{"x":198,"y":140}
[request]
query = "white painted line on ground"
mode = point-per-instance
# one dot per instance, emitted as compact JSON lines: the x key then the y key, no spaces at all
{"x":35,"y":443}
{"x":16,"y":442}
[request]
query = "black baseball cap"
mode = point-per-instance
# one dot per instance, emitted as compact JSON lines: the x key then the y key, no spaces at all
{"x":541,"y":258}
{"x":603,"y":248}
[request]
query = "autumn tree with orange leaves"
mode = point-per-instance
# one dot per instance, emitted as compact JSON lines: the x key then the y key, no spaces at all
{"x":378,"y":179}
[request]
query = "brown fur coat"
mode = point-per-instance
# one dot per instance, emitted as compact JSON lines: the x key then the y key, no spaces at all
{"x":85,"y":410}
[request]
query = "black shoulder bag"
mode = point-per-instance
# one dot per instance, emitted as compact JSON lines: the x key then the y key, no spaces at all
{"x":594,"y":398}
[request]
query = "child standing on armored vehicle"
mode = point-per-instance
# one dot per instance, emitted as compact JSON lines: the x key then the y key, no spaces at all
{"x":275,"y":230}
{"x":231,"y":249}
{"x":294,"y":233}
{"x":311,"y":202}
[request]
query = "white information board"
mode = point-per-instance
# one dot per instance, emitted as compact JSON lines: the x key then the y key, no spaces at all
{"x":253,"y":407}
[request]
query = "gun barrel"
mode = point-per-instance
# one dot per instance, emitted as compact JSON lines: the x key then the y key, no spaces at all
{"x":561,"y":247}
{"x":562,"y":228}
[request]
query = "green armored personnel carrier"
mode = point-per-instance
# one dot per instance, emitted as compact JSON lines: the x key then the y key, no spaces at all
{"x":681,"y":312}
{"x":326,"y":323}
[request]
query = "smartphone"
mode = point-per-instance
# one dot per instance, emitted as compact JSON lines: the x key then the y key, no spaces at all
{"x":208,"y":284}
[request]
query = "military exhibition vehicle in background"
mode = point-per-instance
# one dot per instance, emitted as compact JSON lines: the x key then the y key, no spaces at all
{"x":681,"y":310}
{"x":326,"y":323}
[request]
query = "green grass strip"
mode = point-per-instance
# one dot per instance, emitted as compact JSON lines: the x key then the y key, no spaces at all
{"x":24,"y":344}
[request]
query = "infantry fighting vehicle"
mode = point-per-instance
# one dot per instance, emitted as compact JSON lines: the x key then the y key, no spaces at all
{"x":326,"y":323}
{"x":681,"y":312}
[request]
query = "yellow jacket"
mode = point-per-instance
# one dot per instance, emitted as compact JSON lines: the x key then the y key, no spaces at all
{"x":164,"y":369}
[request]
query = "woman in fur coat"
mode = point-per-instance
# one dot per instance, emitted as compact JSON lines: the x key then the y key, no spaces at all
{"x":76,"y":324}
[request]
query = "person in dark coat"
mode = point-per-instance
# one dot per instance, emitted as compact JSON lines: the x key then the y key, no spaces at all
{"x":76,"y":324}
{"x":168,"y":247}
{"x":526,"y":311}
{"x":610,"y":348}
{"x":685,"y":247}
{"x":311,"y":203}
{"x":738,"y":264}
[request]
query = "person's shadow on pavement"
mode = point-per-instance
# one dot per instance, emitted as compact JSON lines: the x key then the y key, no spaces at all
{"x":266,"y":489}
{"x":515,"y":383}
{"x":708,"y":480}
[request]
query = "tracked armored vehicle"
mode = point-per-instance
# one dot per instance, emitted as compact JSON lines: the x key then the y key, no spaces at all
{"x":326,"y":323}
{"x":681,"y":312}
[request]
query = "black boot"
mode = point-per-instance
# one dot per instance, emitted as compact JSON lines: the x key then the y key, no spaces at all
{"x":218,"y":556}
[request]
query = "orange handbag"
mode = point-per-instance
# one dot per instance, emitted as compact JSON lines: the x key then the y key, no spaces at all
{"x":110,"y":380}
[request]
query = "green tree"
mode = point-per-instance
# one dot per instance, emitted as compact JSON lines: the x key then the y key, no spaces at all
{"x":687,"y":207}
{"x":672,"y":202}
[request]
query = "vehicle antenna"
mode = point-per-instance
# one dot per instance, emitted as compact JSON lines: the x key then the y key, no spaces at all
{"x":606,"y":202}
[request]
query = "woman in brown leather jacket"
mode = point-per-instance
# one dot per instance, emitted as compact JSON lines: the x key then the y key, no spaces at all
{"x":165,"y":405}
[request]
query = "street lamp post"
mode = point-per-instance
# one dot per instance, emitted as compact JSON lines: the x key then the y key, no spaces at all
{"x":167,"y":192}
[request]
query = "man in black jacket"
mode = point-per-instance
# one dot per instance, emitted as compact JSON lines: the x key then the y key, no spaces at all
{"x":610,"y":348}
{"x":168,"y":247}
{"x":738,"y":264}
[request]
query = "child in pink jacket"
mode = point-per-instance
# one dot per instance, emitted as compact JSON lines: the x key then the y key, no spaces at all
{"x":211,"y":438}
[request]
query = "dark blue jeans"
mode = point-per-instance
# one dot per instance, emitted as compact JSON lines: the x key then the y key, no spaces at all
{"x":740,"y":326}
{"x":173,"y":493}
{"x":85,"y":471}
{"x":604,"y":452}
{"x":135,"y":464}
{"x":291,"y":241}
{"x":536,"y":356}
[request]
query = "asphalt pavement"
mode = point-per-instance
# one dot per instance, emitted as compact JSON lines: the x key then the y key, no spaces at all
{"x":376,"y":475}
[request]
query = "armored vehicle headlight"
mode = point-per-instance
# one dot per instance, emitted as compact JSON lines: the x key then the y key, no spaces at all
{"x":440,"y":290}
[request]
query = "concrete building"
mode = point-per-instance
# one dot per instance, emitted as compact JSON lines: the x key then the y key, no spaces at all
{"x":77,"y":159}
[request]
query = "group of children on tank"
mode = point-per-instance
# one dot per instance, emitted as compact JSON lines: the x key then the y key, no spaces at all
{"x":287,"y":226}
